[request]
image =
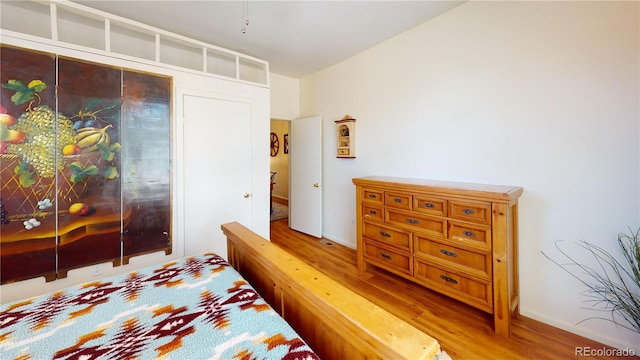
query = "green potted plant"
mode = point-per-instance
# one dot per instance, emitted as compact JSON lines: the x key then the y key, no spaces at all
{"x":613,"y":283}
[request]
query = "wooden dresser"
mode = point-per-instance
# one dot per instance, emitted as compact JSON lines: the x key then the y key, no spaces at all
{"x":455,"y":238}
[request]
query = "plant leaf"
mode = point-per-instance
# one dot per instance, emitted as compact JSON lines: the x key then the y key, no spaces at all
{"x":76,"y":177}
{"x":111,"y":172}
{"x":22,"y":97}
{"x":107,"y":154}
{"x":37,"y":85}
{"x":76,"y":167}
{"x":23,"y":166}
{"x":16,"y":85}
{"x":25,"y":176}
{"x":611,"y":286}
{"x":92,"y":103}
{"x":90,"y":170}
{"x":26,"y":179}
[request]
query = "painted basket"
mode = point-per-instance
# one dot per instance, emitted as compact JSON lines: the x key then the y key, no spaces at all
{"x":22,"y":202}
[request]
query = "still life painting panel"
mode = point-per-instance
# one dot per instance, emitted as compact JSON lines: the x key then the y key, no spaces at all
{"x":65,"y":200}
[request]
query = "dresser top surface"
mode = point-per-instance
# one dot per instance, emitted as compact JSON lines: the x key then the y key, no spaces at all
{"x":497,"y":192}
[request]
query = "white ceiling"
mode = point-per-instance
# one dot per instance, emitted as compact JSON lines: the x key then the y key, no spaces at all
{"x":296,"y":37}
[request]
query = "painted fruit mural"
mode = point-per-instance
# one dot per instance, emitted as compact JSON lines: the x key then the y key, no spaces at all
{"x":62,"y":198}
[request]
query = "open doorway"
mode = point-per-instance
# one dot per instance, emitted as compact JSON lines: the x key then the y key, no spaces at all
{"x":279,"y":167}
{"x":297,"y":164}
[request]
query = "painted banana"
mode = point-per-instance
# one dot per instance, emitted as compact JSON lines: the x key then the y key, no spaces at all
{"x":89,"y":138}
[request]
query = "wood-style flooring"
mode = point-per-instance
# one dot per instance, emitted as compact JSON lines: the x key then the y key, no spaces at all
{"x":462,"y":331}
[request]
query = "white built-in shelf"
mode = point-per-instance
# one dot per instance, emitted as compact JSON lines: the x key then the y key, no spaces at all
{"x":66,"y":22}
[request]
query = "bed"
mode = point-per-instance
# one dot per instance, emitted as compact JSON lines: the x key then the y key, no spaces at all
{"x":335,"y":321}
{"x":261,"y":303}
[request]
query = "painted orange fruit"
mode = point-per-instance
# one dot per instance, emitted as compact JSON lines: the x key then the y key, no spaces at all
{"x":71,"y":149}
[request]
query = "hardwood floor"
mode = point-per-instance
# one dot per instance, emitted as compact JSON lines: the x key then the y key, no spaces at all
{"x":462,"y":331}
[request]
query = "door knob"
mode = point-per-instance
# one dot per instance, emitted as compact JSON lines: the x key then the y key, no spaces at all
{"x":316,"y":185}
{"x":247,"y":195}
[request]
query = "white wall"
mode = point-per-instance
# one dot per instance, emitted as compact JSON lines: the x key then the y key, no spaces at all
{"x":285,"y":97}
{"x":285,"y":105}
{"x":542,"y":95}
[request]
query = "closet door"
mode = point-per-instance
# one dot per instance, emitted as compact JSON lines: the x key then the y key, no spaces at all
{"x":217,"y":169}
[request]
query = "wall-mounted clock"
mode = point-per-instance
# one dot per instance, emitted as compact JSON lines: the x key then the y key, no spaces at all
{"x":275,"y":144}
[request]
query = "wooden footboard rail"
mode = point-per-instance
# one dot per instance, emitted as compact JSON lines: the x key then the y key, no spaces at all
{"x":335,"y":321}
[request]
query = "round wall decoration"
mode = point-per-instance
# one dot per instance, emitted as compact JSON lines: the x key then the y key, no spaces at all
{"x":275,"y":144}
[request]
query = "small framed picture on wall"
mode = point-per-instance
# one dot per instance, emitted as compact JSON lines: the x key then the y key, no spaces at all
{"x":286,"y":143}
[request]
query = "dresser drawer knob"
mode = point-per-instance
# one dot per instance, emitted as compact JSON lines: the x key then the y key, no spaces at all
{"x":385,"y":234}
{"x":372,"y":196}
{"x":386,"y":256}
{"x":468,"y":234}
{"x":412,"y":221}
{"x":429,"y":205}
{"x":448,"y":253}
{"x":373,"y":212}
{"x":448,"y":279}
{"x":468,"y":211}
{"x":398,"y":200}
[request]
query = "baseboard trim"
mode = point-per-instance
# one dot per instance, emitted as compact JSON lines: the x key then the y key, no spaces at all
{"x":280,"y":200}
{"x":338,"y":241}
{"x":572,"y":328}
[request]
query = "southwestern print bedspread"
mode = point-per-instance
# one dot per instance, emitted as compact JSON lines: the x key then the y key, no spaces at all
{"x":197,"y":307}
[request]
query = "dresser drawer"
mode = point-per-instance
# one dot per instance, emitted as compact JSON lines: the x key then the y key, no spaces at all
{"x":473,"y":291}
{"x":477,"y":212}
{"x":373,"y":196}
{"x":416,"y":221}
{"x":387,"y":235}
{"x":477,"y":263}
{"x":474,"y":235}
{"x":388,"y":259}
{"x":430,"y":205}
{"x":372,"y":212}
{"x":397,"y":200}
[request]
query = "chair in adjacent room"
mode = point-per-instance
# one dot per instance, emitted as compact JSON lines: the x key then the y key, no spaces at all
{"x":273,"y":182}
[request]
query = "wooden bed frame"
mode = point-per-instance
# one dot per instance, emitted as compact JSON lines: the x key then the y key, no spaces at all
{"x":336,"y":322}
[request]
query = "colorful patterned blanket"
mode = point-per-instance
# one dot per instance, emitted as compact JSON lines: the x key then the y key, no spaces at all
{"x":195,"y":308}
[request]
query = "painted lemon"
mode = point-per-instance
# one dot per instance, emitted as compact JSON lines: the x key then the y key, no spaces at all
{"x":78,"y":209}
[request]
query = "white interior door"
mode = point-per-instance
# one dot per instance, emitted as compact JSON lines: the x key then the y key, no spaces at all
{"x":305,"y":175}
{"x":217,"y":170}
